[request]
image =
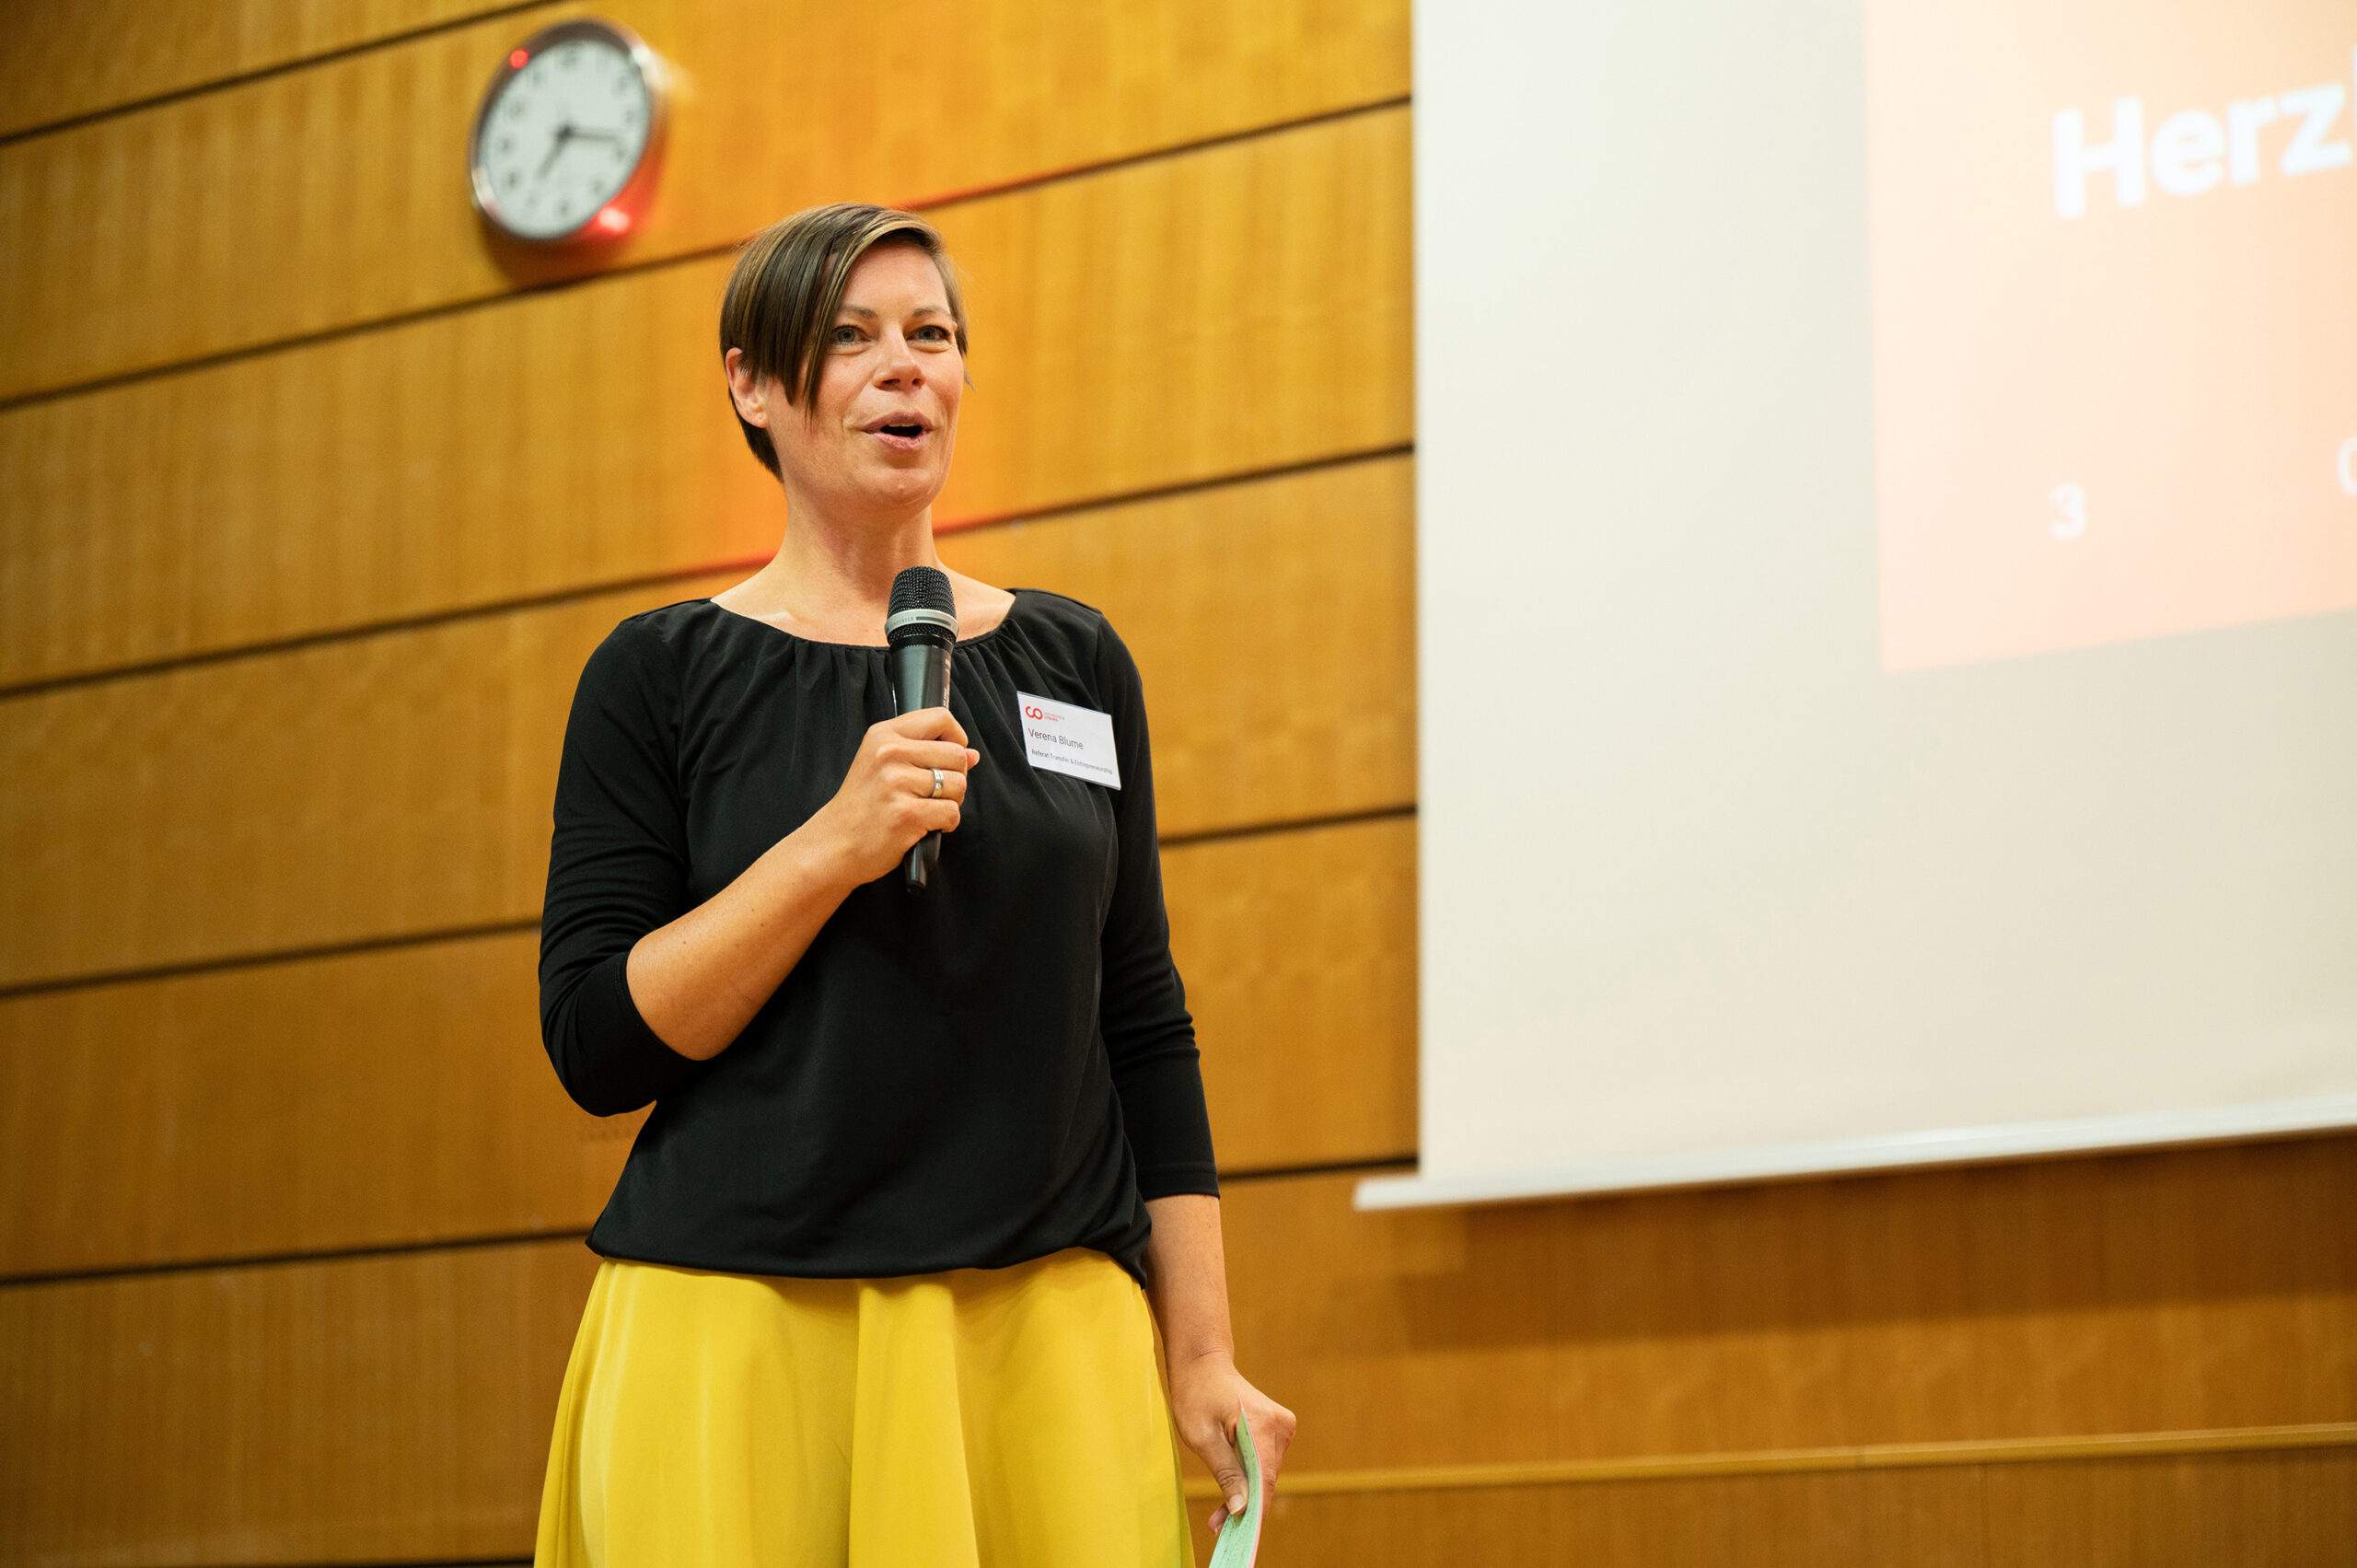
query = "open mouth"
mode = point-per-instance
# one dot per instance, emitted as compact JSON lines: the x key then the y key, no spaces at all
{"x":900,"y":433}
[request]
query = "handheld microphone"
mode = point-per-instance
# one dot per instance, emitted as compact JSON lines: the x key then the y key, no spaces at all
{"x":922,"y":627}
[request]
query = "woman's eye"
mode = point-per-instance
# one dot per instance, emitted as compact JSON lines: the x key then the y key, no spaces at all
{"x":845,"y":336}
{"x":933,"y":334}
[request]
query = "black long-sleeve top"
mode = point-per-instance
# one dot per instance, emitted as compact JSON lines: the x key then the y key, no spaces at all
{"x":996,"y":1068}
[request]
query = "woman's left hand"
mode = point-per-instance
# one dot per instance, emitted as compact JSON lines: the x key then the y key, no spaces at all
{"x":1205,"y":1394}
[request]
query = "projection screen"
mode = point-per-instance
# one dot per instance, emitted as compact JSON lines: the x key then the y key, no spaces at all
{"x":1887,"y":538}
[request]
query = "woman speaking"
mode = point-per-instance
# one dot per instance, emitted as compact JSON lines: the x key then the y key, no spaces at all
{"x":883,"y":1273}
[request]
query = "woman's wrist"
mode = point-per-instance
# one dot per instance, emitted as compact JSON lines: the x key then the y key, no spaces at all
{"x":1206,"y":1358}
{"x":819,"y":859}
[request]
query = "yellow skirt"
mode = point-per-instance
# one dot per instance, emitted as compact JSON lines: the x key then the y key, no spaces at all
{"x":981,"y":1418}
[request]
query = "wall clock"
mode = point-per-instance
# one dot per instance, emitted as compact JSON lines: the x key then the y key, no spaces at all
{"x":569,"y":135}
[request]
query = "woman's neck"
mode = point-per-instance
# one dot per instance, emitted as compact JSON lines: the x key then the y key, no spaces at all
{"x":832,"y":583}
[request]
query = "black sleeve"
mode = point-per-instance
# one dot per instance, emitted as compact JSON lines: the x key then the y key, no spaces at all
{"x":1148,"y":1033}
{"x":617,"y":869}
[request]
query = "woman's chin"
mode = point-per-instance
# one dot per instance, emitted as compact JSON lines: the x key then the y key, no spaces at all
{"x":899,"y":490}
{"x":872,"y":492}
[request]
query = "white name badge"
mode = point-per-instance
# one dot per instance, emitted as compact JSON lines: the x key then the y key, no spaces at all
{"x":1066,"y":738}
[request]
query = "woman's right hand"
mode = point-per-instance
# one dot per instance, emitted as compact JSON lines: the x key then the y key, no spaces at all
{"x":886,"y":803}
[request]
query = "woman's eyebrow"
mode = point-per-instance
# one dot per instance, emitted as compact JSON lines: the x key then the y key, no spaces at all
{"x":865,"y":313}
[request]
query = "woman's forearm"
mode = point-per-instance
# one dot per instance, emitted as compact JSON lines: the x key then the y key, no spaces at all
{"x":1188,"y":1264}
{"x":699,"y":981}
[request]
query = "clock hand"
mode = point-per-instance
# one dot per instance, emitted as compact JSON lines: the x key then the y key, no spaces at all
{"x":597,"y":135}
{"x":565,"y":134}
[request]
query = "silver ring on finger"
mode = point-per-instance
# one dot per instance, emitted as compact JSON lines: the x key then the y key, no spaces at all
{"x":936,"y":785}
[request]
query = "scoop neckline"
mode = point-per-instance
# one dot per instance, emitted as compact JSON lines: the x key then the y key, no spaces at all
{"x":1019,"y":594}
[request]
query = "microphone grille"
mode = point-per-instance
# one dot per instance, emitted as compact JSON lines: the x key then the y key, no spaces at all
{"x":922,"y":588}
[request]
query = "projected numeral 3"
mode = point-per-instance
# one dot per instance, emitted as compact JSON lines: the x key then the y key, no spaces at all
{"x":2068,"y":517}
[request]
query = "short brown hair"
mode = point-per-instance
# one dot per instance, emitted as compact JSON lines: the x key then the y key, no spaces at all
{"x":788,"y":284}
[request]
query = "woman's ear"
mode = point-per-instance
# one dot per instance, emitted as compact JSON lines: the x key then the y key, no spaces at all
{"x":750,"y":394}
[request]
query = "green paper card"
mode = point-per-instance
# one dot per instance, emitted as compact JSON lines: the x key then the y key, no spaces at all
{"x":1240,"y":1538}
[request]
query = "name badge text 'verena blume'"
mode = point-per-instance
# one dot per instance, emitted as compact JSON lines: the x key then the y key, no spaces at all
{"x":1064,"y":737}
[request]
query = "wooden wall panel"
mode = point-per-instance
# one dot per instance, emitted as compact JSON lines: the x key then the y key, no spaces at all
{"x":1225,"y":598}
{"x":560,"y":440}
{"x":2296,"y":1510}
{"x":1919,"y":1518}
{"x":375,"y":1409}
{"x":1099,"y":301}
{"x":387,"y":785}
{"x":582,"y":436}
{"x":2264,"y":1510}
{"x":396,"y":1409}
{"x":336,"y":195}
{"x":1299,"y":953}
{"x":399,"y":784}
{"x":388,"y":1098}
{"x":2139,"y":1293}
{"x":68,"y":58}
{"x":368,"y":1101}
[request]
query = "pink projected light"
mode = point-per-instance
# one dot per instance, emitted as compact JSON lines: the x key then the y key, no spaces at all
{"x":517,"y":58}
{"x":612,"y":220}
{"x":2112,"y":335}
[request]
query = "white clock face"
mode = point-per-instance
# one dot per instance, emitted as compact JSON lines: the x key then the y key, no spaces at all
{"x":563,"y":137}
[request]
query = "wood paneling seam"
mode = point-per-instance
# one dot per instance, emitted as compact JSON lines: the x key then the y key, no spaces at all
{"x":530,"y":1237}
{"x":392,"y":1563}
{"x":510,"y":927}
{"x":449,"y":307}
{"x":1286,"y":825}
{"x":1157,"y":154}
{"x":284,"y":68}
{"x":1804,"y":1461}
{"x":393,"y":626}
{"x":1169,"y":491}
{"x":274,"y":956}
{"x":1403,"y":1160}
{"x":283,"y":1259}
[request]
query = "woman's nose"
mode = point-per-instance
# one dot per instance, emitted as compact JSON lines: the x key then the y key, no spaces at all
{"x":900,"y":360}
